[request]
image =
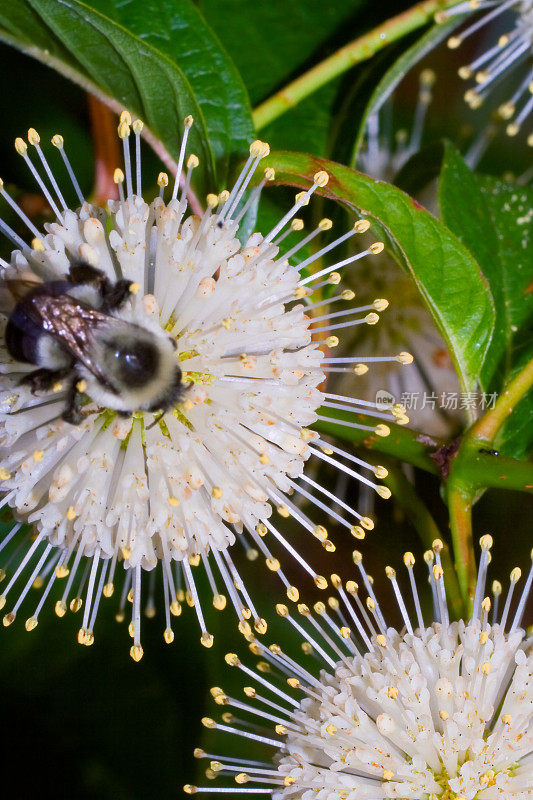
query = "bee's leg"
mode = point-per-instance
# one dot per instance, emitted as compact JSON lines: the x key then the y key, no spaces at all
{"x":117,"y":295}
{"x":72,"y":412}
{"x":43,"y":380}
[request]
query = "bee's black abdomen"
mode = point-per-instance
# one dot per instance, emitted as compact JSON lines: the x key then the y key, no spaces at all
{"x":22,"y":337}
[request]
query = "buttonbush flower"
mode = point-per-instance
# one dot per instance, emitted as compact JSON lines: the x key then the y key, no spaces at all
{"x":433,"y":712}
{"x":508,"y":56}
{"x":117,"y":496}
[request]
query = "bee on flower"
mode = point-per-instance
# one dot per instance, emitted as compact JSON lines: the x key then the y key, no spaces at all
{"x":439,"y":711}
{"x":157,"y":383}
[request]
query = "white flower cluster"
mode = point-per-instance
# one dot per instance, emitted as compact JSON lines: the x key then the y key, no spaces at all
{"x":177,"y":487}
{"x":510,"y":54}
{"x":443,"y":712}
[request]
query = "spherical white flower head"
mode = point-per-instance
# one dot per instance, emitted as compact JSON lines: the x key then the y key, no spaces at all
{"x":434,"y":713}
{"x":509,"y":55}
{"x":123,"y":481}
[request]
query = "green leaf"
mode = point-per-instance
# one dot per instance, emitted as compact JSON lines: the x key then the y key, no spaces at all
{"x":493,"y":219}
{"x":394,"y":76}
{"x":445,"y":273}
{"x":158,"y":59}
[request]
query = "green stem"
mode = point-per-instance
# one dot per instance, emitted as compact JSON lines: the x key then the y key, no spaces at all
{"x":486,"y":429}
{"x":422,"y":521}
{"x":483,"y":471}
{"x":357,"y":51}
{"x":460,"y":502}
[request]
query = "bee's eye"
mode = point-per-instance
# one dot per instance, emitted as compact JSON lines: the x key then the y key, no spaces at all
{"x":135,"y":362}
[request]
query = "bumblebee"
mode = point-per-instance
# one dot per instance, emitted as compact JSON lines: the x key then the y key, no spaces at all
{"x":76,"y":331}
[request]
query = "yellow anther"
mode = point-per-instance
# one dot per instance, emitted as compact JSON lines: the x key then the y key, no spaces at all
{"x":325,"y":224}
{"x":58,"y":141}
{"x":383,"y":492}
{"x":320,"y":532}
{"x":4,"y":474}
{"x":71,"y":513}
{"x":192,"y":161}
{"x":37,"y":245}
{"x":281,"y":730}
{"x":33,"y":137}
{"x":392,"y":692}
{"x":232,"y":659}
{"x":438,"y":572}
{"x":162,"y":179}
{"x":404,"y":358}
{"x":381,"y":640}
{"x":345,"y":632}
{"x":320,"y":582}
{"x":382,"y":430}
{"x":282,"y":610}
{"x":429,"y":556}
{"x":118,"y":176}
{"x":294,"y":683}
{"x":283,"y":511}
{"x":347,"y":294}
{"x":273,"y":564}
{"x":321,"y":178}
{"x":376,"y":248}
{"x":507,"y":719}
{"x":485,"y":668}
{"x":332,"y":341}
{"x":388,"y":775}
{"x":261,"y":529}
{"x":123,"y":130}
{"x":75,"y":604}
{"x":20,"y":146}
{"x":409,"y":560}
{"x":372,"y":318}
{"x":486,"y":604}
{"x":207,"y":722}
{"x":31,"y":623}
{"x":357,"y":557}
{"x":465,"y":73}
{"x":331,"y":729}
{"x":334,"y":278}
{"x":437,"y":545}
{"x":125,"y":117}
{"x":370,"y":604}
{"x":444,"y":715}
{"x":138,"y":126}
{"x":361,"y":226}
{"x":516,"y":574}
{"x":486,"y":542}
{"x":297,"y":224}
{"x":380,"y":472}
{"x":352,"y":587}
{"x":496,"y":588}
{"x":288,"y":780}
{"x":367,"y":523}
{"x":390,"y":573}
{"x":189,"y":788}
{"x":216,"y":492}
{"x":8,"y":619}
{"x":270,"y":174}
{"x":454,"y":42}
{"x":319,"y":607}
{"x":135,"y":288}
{"x":293,"y":594}
{"x":223,"y":196}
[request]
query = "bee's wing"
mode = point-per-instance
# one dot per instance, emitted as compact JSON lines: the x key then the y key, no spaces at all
{"x":70,"y":323}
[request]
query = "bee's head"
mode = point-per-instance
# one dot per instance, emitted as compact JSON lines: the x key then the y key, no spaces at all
{"x":138,"y":368}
